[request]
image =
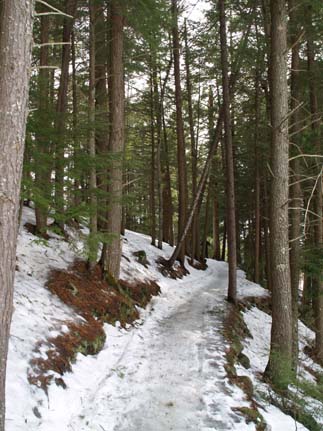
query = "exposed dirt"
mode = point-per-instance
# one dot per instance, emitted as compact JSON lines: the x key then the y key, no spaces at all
{"x":176,"y":271}
{"x":236,"y":330}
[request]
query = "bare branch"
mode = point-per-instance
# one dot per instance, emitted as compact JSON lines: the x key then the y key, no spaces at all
{"x":306,"y":155}
{"x":311,"y":196}
{"x":39,"y":45}
{"x":59,"y":12}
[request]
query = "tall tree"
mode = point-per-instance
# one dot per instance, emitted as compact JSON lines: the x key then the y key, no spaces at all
{"x":91,"y":144}
{"x":295,"y":187}
{"x":280,"y":358}
{"x":101,"y":105}
{"x":193,"y":140}
{"x":15,"y":48}
{"x":181,"y":158}
{"x":61,"y":109}
{"x":230,"y":201}
{"x":42,"y":168}
{"x":112,"y":250}
{"x":318,"y":228}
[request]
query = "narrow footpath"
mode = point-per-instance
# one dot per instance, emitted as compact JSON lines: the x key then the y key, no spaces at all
{"x":171,"y":374}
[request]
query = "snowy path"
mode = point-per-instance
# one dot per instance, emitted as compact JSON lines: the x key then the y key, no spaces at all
{"x":170,"y":375}
{"x":167,"y":373}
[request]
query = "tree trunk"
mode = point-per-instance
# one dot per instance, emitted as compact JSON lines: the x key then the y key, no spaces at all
{"x":204,"y":252}
{"x":76,"y":145}
{"x":295,"y":188}
{"x":112,"y":251}
{"x":318,"y":228}
{"x":168,"y":210}
{"x":224,"y":242}
{"x":157,"y":109}
{"x":230,"y":201}
{"x":181,"y":159}
{"x":42,"y":168}
{"x":205,"y":172}
{"x":281,"y":332}
{"x":167,"y":207}
{"x":61,"y":110}
{"x":93,"y":247}
{"x":257,"y":183}
{"x":101,"y":107}
{"x":152,"y":197}
{"x":193,"y":144}
{"x":15,"y":62}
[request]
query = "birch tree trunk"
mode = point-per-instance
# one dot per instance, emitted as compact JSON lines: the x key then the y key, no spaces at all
{"x":15,"y":57}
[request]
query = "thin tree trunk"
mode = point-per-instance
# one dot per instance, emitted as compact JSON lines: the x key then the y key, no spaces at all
{"x":157,"y":109}
{"x":257,"y":184}
{"x":101,"y":107}
{"x":215,"y":211}
{"x":76,"y":146}
{"x":15,"y":61}
{"x":152,"y":197}
{"x":318,"y":228}
{"x":181,"y":159}
{"x":192,"y":137}
{"x":205,"y":172}
{"x":167,"y":208}
{"x":224,"y":242}
{"x":230,"y":202}
{"x":280,"y":358}
{"x":42,"y":169}
{"x":266,"y":235}
{"x":204,"y":253}
{"x":93,"y":247}
{"x":61,"y":110}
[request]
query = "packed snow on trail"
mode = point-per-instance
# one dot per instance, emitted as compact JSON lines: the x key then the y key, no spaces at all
{"x":164,"y":373}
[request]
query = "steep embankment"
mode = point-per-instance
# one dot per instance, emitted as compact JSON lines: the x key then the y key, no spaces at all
{"x":167,"y":371}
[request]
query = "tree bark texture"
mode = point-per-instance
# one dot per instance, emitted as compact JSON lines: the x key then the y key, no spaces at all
{"x":230,"y":200}
{"x":295,"y":187}
{"x":15,"y":59}
{"x":61,"y":109}
{"x":113,"y":250}
{"x":318,"y":228}
{"x":281,"y":332}
{"x":101,"y":106}
{"x":42,"y":167}
{"x":181,"y":159}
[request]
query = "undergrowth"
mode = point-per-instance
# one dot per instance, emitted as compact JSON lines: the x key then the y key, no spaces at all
{"x":236,"y":330}
{"x":296,"y":401}
{"x":97,"y":302}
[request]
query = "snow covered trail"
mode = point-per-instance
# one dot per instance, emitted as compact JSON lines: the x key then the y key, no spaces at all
{"x":166,"y":373}
{"x":171,"y":374}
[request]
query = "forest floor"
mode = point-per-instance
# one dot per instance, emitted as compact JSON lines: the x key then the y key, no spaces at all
{"x":167,"y":371}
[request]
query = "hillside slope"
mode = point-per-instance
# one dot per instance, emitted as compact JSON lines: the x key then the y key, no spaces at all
{"x":166,"y":372}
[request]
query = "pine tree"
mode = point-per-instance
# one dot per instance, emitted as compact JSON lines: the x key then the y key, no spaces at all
{"x":15,"y":61}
